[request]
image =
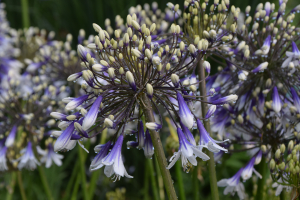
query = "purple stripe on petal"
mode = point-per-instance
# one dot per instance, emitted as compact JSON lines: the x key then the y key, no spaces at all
{"x":185,"y":114}
{"x":115,"y":152}
{"x":11,"y":137}
{"x":188,"y":134}
{"x":148,"y":148}
{"x":276,"y":104}
{"x":64,"y":138}
{"x":210,"y":111}
{"x":91,"y":116}
{"x":76,"y":102}
{"x":296,"y":99}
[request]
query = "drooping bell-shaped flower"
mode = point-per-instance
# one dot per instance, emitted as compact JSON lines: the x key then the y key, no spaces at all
{"x":184,"y":112}
{"x":28,"y":159}
{"x":114,"y":163}
{"x":249,"y":168}
{"x":207,"y":141}
{"x":233,"y":185}
{"x":97,"y":161}
{"x":187,"y":152}
{"x":50,"y":156}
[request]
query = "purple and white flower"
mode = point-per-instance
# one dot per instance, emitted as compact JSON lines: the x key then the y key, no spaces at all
{"x":187,"y":152}
{"x":184,"y":112}
{"x":233,"y":185}
{"x":207,"y":142}
{"x":114,"y":163}
{"x":27,"y":160}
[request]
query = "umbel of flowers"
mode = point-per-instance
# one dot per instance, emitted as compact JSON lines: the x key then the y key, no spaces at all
{"x":263,"y":70}
{"x":29,"y":94}
{"x":132,"y":76}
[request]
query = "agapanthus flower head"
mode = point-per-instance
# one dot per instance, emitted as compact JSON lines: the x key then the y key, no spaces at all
{"x":266,"y":112}
{"x":27,"y":97}
{"x":124,"y":77}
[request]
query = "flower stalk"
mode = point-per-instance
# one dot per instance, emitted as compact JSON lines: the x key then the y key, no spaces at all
{"x":211,"y":161}
{"x":25,"y":13}
{"x":45,"y":183}
{"x":20,"y":183}
{"x":179,"y":181}
{"x":12,"y":186}
{"x":158,"y":150}
{"x":263,"y":169}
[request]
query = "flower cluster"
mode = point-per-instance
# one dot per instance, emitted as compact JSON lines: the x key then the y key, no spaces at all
{"x":140,"y":73}
{"x":263,"y":70}
{"x":29,"y":94}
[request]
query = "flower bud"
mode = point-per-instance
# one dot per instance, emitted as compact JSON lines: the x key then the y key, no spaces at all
{"x":175,"y":80}
{"x":121,"y":71}
{"x":282,"y":148}
{"x":291,"y":146}
{"x":130,"y":80}
{"x":277,"y":154}
{"x":153,"y":126}
{"x":108,"y":123}
{"x":272,"y":165}
{"x":99,"y":68}
{"x":206,"y":65}
{"x":111,"y":73}
{"x":149,"y":89}
{"x":136,"y":25}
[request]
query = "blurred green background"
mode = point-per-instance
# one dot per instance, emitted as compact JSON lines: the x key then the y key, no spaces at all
{"x":69,"y":16}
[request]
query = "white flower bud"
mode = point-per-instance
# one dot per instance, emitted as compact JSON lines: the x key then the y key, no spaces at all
{"x":108,"y":123}
{"x":96,"y":27}
{"x":111,"y":73}
{"x":136,"y":25}
{"x":149,"y":89}
{"x":175,"y":79}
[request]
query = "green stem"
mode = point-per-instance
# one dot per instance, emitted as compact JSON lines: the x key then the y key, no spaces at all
{"x":159,"y":151}
{"x":152,"y":179}
{"x":82,"y":172}
{"x":25,"y":13}
{"x":71,"y":181}
{"x":76,"y":186}
{"x":95,"y":175}
{"x":195,"y":183}
{"x":263,"y":166}
{"x":160,"y":181}
{"x":45,"y":183}
{"x":283,"y":195}
{"x":11,"y":189}
{"x":179,"y":181}
{"x":20,"y":183}
{"x":146,"y":182}
{"x":211,"y":161}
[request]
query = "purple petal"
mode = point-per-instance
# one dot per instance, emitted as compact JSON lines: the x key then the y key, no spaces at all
{"x":185,"y":114}
{"x":91,"y":116}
